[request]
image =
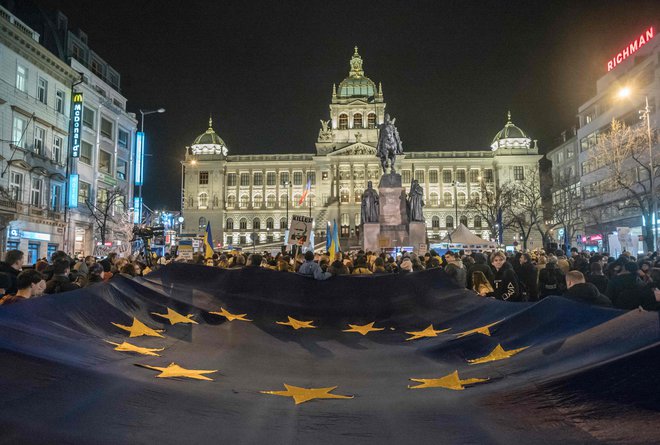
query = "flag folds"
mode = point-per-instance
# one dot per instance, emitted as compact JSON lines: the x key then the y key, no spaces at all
{"x":258,"y":356}
{"x":208,"y":242}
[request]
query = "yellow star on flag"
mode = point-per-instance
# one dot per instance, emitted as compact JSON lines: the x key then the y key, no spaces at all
{"x":485,"y":330}
{"x":497,"y":354}
{"x":128,"y":347}
{"x":428,"y":332}
{"x":174,"y":370}
{"x":229,"y":316}
{"x":301,"y":395}
{"x":175,"y":317}
{"x":363,"y":329}
{"x":297,"y":324}
{"x":450,"y":381}
{"x":138,"y":328}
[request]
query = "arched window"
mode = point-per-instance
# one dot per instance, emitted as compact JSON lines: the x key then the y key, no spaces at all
{"x":344,"y":196}
{"x":202,"y":222}
{"x":245,"y":201}
{"x":283,"y":224}
{"x":449,"y":222}
{"x":231,"y":201}
{"x":256,"y":224}
{"x":203,"y":200}
{"x":477,"y":222}
{"x":258,"y":201}
{"x":270,"y":224}
{"x":357,"y":195}
{"x":343,"y":121}
{"x":296,"y":200}
{"x":242,"y":224}
{"x":270,"y":201}
{"x":357,"y":120}
{"x":358,"y":217}
{"x":462,"y":199}
{"x":283,"y":200}
{"x":435,"y":222}
{"x":474,"y":197}
{"x":345,"y":220}
{"x":448,"y":198}
{"x":433,"y":199}
{"x":464,"y":220}
{"x":371,"y":120}
{"x":229,"y":225}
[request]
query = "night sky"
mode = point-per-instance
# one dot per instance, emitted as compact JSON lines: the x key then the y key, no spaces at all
{"x":450,"y":69}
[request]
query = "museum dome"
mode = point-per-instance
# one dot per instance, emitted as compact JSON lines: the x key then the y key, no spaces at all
{"x":356,"y":84}
{"x":510,"y":137}
{"x":209,"y":142}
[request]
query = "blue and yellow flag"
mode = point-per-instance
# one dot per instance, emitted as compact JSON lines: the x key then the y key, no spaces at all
{"x":334,"y":243}
{"x":208,"y":242}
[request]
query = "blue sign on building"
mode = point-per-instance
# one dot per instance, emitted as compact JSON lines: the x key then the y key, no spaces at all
{"x":73,"y":191}
{"x":139,"y":158}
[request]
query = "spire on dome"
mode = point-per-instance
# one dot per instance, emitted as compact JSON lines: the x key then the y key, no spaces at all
{"x":210,"y":122}
{"x":508,"y":117}
{"x":356,"y":65}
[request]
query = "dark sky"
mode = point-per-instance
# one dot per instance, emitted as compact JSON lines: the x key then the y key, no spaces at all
{"x":450,"y":69}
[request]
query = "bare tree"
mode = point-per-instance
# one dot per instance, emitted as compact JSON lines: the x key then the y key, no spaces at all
{"x":595,"y":217}
{"x":564,"y":211}
{"x":526,"y":211}
{"x":491,"y":207}
{"x":624,"y":152}
{"x":102,"y":210}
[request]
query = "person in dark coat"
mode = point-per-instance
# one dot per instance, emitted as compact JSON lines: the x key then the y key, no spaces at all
{"x":505,"y":282}
{"x":551,"y":279}
{"x":12,"y":266}
{"x":627,"y":280}
{"x":646,"y":296}
{"x":577,"y":289}
{"x":455,"y":268}
{"x":597,"y":277}
{"x":528,"y":277}
{"x":480,"y":265}
{"x":60,"y":281}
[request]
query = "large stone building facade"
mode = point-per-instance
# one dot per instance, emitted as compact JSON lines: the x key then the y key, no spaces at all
{"x":250,"y":198}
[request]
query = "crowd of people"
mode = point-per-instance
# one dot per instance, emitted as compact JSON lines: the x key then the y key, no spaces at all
{"x":598,"y":279}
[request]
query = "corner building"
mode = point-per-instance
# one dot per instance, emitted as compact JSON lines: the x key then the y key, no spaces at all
{"x":249,"y":196}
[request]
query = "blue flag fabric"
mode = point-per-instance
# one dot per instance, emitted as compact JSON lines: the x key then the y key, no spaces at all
{"x":578,"y":368}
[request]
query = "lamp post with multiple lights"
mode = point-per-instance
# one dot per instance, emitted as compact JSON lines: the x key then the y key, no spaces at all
{"x":140,"y":153}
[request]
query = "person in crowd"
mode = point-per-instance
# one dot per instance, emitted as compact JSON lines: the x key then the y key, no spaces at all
{"x":480,"y":284}
{"x":455,"y":268}
{"x":60,"y":281}
{"x":552,"y":280}
{"x":627,"y":280}
{"x":596,"y":276}
{"x":30,"y":283}
{"x":12,"y":266}
{"x":406,"y":266}
{"x":505,"y":283}
{"x":563,"y":264}
{"x":480,"y":265}
{"x":645,"y":271}
{"x":255,"y":260}
{"x":338,"y":268}
{"x":5,"y":283}
{"x":646,"y":296}
{"x":379,"y":267}
{"x":577,"y":289}
{"x":311,"y":268}
{"x":361,"y":266}
{"x":95,"y":274}
{"x":528,"y":278}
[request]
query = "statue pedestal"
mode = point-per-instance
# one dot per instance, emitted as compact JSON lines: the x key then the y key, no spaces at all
{"x":393,"y":228}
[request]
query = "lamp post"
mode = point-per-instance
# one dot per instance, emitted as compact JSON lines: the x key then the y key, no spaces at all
{"x":456,"y":183}
{"x":288,"y":186}
{"x":645,"y":114}
{"x":144,"y":113}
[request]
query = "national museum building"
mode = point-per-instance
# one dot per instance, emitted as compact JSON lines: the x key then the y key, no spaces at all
{"x":246,"y":196}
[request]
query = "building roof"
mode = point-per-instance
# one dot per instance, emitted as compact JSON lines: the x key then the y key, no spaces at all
{"x":510,"y":136}
{"x":356,"y":84}
{"x":209,"y":142}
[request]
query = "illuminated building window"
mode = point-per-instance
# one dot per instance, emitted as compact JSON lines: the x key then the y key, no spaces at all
{"x":474,"y":176}
{"x":488,"y":175}
{"x":256,"y":224}
{"x":231,"y":201}
{"x":258,"y":179}
{"x":477,"y":222}
{"x":464,"y":220}
{"x":435,"y":222}
{"x":242,"y":224}
{"x":311,"y":177}
{"x":357,"y":120}
{"x":449,"y":222}
{"x":284,"y":178}
{"x":203,"y":200}
{"x":231,"y":180}
{"x":371,"y":120}
{"x":462,"y":199}
{"x":203,"y":178}
{"x":419,"y":175}
{"x":297,"y":178}
{"x":446,"y":177}
{"x":283,"y":224}
{"x":270,"y":178}
{"x":105,"y":162}
{"x":283,"y":200}
{"x":460,"y":176}
{"x":343,"y":121}
{"x":39,"y":136}
{"x":245,"y":201}
{"x":122,"y":168}
{"x":270,"y":201}
{"x":21,"y":78}
{"x":42,"y":90}
{"x":84,"y":190}
{"x":229,"y":225}
{"x":245,"y":179}
{"x":258,"y":201}
{"x":35,"y":198}
{"x":405,"y":175}
{"x":107,"y":128}
{"x":518,"y":173}
{"x":433,"y":176}
{"x":434,"y":199}
{"x":344,"y":196}
{"x":448,"y":198}
{"x":270,"y":223}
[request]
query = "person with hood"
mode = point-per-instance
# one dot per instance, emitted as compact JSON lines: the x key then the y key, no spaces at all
{"x":552,"y":280}
{"x":480,"y":265}
{"x":577,"y":289}
{"x":455,"y":268}
{"x":505,"y":282}
{"x":12,"y":266}
{"x":627,"y":280}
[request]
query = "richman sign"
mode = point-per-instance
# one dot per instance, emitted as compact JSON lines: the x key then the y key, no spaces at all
{"x":631,"y":48}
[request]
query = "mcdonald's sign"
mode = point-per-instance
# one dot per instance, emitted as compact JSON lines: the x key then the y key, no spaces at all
{"x":76,"y":123}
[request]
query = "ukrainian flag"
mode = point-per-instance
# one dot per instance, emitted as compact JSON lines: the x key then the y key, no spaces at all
{"x":334,"y":242}
{"x":208,"y":242}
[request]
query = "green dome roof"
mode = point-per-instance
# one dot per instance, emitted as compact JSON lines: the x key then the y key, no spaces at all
{"x":209,"y":137}
{"x":356,"y":84}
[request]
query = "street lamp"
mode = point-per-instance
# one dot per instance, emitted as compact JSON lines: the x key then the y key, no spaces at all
{"x":288,"y":186}
{"x":645,"y":114}
{"x":141,"y":161}
{"x":456,"y":184}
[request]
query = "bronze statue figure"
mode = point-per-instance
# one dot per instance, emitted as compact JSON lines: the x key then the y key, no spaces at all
{"x":370,"y":205}
{"x":389,"y":144}
{"x":415,"y":202}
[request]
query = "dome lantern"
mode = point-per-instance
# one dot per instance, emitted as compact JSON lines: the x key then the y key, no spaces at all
{"x":510,"y":136}
{"x":356,"y":84}
{"x":209,"y":143}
